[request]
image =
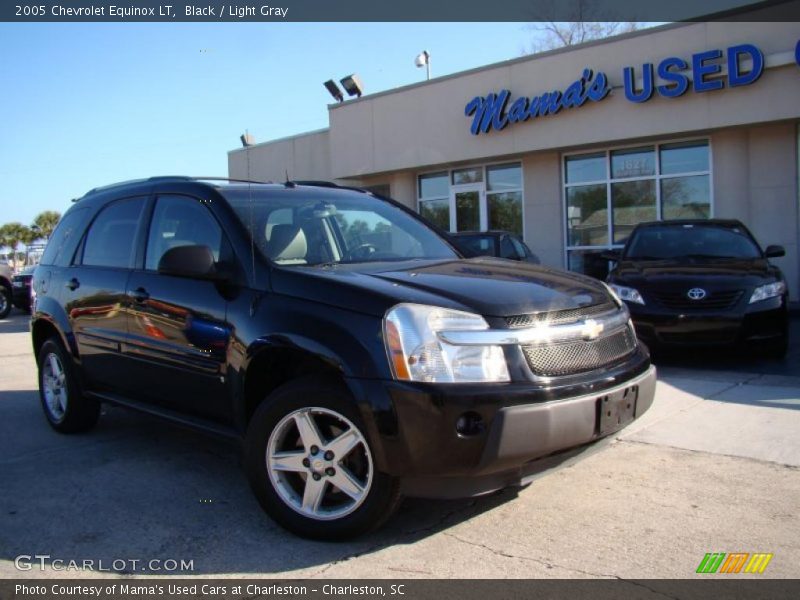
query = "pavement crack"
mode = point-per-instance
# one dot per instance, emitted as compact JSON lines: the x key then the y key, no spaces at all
{"x":435,"y":526}
{"x":544,"y":563}
{"x":694,"y":451}
{"x":552,"y":565}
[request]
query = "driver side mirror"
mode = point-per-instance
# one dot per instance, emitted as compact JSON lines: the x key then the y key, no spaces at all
{"x":194,"y":262}
{"x":774,"y":251}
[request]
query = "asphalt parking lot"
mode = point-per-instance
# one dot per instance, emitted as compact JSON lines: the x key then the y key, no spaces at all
{"x":714,"y":466}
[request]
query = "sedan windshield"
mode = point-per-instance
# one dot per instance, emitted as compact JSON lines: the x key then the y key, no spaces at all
{"x":313,"y":227}
{"x":691,"y":241}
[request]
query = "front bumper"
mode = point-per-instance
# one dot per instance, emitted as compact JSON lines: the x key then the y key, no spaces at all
{"x":21,"y":295}
{"x":765,"y":321}
{"x":523,"y":435}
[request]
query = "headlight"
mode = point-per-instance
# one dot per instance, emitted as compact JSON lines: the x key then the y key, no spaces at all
{"x":417,"y":353}
{"x":769,"y":290}
{"x":628,"y":294}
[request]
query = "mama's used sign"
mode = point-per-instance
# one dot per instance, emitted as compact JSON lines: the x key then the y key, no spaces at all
{"x":493,"y":111}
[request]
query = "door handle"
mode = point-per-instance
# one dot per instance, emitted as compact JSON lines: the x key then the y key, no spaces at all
{"x":73,"y":284}
{"x":140,"y":295}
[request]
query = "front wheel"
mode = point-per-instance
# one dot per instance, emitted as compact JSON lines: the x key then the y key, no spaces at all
{"x":311,"y":465}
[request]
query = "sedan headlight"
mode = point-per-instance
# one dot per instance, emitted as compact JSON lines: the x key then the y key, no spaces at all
{"x":769,"y":290}
{"x":628,"y":294}
{"x":417,"y":353}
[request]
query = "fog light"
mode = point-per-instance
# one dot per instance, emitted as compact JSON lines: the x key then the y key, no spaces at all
{"x":469,"y":424}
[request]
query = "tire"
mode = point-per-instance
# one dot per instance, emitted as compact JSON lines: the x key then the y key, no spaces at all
{"x":5,"y":302}
{"x":327,"y":413}
{"x":66,"y":409}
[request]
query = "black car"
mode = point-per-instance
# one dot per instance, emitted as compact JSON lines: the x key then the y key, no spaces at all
{"x":21,"y":288}
{"x":492,"y":243}
{"x":702,"y":282}
{"x":356,"y":356}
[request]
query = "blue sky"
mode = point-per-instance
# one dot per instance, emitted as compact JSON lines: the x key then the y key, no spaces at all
{"x":89,"y":104}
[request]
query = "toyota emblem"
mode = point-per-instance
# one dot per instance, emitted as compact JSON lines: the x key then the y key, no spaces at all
{"x":696,"y":294}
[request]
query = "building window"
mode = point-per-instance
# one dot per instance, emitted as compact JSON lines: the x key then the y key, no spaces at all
{"x":608,"y":193}
{"x":474,"y":198}
{"x":434,"y":199}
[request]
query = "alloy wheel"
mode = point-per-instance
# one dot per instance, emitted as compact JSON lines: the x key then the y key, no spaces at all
{"x":54,"y":386}
{"x":319,"y":463}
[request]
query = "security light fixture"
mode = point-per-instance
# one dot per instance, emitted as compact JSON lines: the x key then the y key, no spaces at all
{"x":352,"y":85}
{"x":334,"y":90}
{"x":247,"y":139}
{"x":424,"y":60}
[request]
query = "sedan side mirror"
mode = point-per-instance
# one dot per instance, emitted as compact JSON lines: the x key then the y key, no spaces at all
{"x":774,"y":251}
{"x":615,"y":255}
{"x":196,"y":262}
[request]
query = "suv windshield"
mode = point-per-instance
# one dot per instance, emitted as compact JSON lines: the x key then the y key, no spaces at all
{"x":691,"y":240}
{"x":313,"y":227}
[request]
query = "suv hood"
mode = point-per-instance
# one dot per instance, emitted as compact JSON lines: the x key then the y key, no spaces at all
{"x":489,"y":286}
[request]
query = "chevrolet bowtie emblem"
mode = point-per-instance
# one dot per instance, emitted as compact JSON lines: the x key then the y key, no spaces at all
{"x":591,"y":329}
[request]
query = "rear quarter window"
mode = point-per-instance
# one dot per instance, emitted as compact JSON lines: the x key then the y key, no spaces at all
{"x":64,"y":237}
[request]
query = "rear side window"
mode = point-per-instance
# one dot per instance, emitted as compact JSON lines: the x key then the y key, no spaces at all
{"x":111,"y":240}
{"x":65,"y":231}
{"x":181,"y":221}
{"x":519,"y":247}
{"x":507,"y":248}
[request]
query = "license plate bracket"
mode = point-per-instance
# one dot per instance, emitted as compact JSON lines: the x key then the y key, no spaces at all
{"x":617,"y":410}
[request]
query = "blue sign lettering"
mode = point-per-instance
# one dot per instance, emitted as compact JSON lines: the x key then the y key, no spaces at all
{"x":735,"y":75}
{"x":680,"y":81}
{"x":700,"y":69}
{"x":489,"y":112}
{"x":629,"y":75}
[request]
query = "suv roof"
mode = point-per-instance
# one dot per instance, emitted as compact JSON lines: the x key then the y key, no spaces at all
{"x":215,"y":182}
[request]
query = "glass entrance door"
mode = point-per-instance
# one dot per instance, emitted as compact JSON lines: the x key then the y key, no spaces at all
{"x":467,"y":208}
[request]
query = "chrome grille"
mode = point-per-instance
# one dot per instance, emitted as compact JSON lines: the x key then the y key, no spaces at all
{"x":714,"y":300}
{"x":558,"y":317}
{"x":568,"y":358}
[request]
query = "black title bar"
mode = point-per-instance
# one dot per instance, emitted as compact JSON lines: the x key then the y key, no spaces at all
{"x":389,"y":10}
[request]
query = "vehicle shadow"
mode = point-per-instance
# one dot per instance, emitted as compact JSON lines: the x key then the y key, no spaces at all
{"x":732,"y":359}
{"x":137,"y":488}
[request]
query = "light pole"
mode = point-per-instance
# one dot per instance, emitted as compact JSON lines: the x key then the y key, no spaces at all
{"x":424,"y":60}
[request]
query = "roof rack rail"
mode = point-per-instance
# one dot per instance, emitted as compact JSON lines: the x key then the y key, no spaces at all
{"x":234,"y":179}
{"x":330,"y":184}
{"x":155,"y":178}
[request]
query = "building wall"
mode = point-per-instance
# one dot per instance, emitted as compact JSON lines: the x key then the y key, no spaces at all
{"x":755,"y":180}
{"x":305,"y":156}
{"x":390,"y":138}
{"x":425,"y":124}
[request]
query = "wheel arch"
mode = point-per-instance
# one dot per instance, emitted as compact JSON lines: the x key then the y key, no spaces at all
{"x":43,"y":327}
{"x":272,"y":364}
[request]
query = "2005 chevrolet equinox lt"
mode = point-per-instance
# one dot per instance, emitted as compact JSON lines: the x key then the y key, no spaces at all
{"x":335,"y":333}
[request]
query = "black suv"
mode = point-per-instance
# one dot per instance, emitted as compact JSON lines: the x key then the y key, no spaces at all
{"x":336,"y":334}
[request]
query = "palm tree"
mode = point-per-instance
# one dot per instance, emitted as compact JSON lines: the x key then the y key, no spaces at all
{"x":46,"y":222}
{"x":12,"y":234}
